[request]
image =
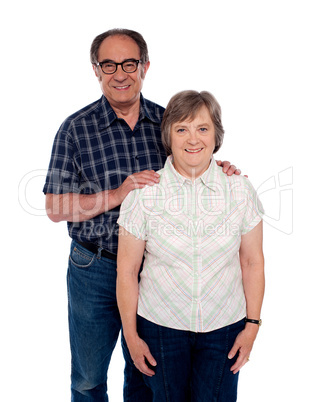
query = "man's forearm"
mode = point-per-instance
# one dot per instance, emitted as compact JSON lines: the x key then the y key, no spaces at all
{"x":72,"y":207}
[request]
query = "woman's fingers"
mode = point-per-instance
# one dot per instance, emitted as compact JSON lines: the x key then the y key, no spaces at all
{"x":142,"y":358}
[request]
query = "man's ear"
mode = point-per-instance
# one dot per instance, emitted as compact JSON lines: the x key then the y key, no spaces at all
{"x":95,"y":68}
{"x":146,"y":67}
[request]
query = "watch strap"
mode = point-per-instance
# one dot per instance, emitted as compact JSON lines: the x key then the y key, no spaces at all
{"x":257,"y":322}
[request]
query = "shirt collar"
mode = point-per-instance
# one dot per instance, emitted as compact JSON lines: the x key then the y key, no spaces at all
{"x":108,"y":115}
{"x":209,"y":178}
{"x":147,"y":111}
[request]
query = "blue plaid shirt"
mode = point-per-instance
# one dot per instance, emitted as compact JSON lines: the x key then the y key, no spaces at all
{"x":94,"y":151}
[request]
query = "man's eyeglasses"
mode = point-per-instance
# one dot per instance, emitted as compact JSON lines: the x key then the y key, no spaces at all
{"x":128,"y":66}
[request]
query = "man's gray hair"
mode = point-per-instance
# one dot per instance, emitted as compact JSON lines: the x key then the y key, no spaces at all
{"x":138,"y":38}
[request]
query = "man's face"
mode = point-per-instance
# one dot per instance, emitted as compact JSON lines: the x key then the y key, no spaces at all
{"x":121,"y":89}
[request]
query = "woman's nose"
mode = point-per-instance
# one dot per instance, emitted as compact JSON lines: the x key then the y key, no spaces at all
{"x":193,"y":138}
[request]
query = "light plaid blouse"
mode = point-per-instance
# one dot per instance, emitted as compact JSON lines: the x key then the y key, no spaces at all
{"x":191,"y":278}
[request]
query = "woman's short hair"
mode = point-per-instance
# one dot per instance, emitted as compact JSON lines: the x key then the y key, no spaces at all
{"x":138,"y":38}
{"x":184,"y":106}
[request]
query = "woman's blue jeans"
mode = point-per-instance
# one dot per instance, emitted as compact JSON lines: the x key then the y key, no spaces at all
{"x":94,"y":324}
{"x":191,"y":367}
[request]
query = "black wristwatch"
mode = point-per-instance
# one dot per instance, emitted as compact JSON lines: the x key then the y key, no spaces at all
{"x":257,"y":322}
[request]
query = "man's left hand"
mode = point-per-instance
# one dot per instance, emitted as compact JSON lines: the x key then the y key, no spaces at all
{"x":228,"y":168}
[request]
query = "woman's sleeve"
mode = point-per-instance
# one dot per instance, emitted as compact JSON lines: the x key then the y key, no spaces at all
{"x":253,"y":209}
{"x":132,"y":215}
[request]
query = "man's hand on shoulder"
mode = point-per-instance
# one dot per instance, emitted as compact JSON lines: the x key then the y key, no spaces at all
{"x":134,"y":181}
{"x":228,"y":168}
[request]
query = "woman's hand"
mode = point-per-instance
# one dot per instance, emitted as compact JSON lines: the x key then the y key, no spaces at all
{"x":243,"y":344}
{"x":140,"y":354}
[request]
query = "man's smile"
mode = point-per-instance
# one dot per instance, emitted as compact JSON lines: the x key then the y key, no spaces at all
{"x":122,"y":87}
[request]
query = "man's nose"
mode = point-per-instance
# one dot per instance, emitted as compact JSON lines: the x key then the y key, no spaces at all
{"x":120,"y":74}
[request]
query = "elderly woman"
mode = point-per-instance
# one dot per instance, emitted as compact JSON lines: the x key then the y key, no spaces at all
{"x":191,"y":321}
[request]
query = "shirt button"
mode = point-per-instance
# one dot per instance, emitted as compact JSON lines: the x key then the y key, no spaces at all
{"x":137,"y":157}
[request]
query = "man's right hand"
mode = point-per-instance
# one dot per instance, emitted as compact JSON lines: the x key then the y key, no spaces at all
{"x":135,"y":181}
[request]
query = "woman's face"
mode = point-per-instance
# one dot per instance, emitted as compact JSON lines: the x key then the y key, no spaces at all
{"x":192,"y":144}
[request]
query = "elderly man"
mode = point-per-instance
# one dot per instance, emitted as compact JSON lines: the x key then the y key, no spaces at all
{"x":100,"y":154}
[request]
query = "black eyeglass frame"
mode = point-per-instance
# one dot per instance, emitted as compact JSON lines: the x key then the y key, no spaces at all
{"x":119,"y":64}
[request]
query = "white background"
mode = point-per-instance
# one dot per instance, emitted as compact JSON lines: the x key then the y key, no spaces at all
{"x":254,"y":57}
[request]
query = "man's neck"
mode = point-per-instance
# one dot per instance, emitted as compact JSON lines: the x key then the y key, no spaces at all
{"x":130,"y":113}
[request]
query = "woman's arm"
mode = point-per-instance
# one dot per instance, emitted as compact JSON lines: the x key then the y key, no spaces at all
{"x":129,"y":258}
{"x":252,"y":265}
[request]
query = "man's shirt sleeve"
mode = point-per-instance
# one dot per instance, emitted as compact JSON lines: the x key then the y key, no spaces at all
{"x":62,"y":176}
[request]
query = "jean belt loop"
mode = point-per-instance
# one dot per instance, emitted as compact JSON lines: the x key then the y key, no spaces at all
{"x":99,"y":253}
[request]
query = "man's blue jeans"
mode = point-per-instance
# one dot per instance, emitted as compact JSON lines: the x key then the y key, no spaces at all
{"x":191,"y":367}
{"x":94,"y":324}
